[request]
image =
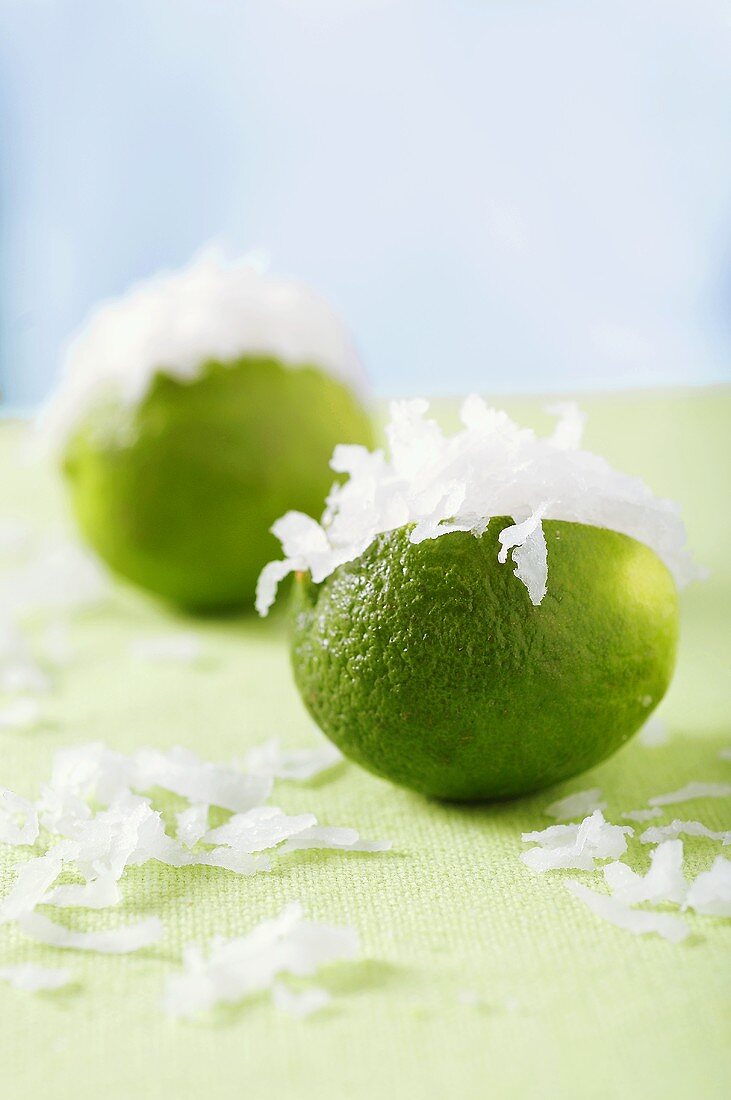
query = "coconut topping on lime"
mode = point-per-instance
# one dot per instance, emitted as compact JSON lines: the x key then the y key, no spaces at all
{"x":491,"y":467}
{"x":211,"y":309}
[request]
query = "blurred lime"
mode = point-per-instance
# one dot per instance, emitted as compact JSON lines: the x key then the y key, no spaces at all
{"x":429,"y":665}
{"x":177,"y":492}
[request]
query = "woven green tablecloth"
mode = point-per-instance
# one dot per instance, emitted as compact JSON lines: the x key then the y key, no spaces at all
{"x":570,"y":1007}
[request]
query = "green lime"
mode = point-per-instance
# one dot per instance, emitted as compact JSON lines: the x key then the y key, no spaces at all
{"x":177,"y":493}
{"x":429,"y":665}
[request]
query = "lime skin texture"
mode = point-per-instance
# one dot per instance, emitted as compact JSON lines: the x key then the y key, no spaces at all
{"x":177,"y":494}
{"x":428,"y":665}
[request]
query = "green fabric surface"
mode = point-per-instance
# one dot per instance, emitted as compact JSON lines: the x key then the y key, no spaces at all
{"x":571,"y":1006}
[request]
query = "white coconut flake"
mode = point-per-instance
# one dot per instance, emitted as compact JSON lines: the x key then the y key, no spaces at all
{"x":664,"y":882}
{"x":18,"y":819}
{"x":31,"y":885}
{"x":180,"y":647}
{"x":575,"y":846}
{"x":121,"y":829}
{"x":639,"y":921}
{"x":59,"y":810}
{"x":576,"y":805}
{"x":528,"y":545}
{"x":180,"y":771}
{"x":657,"y":833}
{"x":569,"y":430}
{"x":91,"y":771}
{"x":710,"y":893}
{"x":192,"y":824}
{"x":531,"y":565}
{"x":241,"y":863}
{"x":299,"y":1003}
{"x":335,"y":837}
{"x":653,"y":734}
{"x":21,"y":714}
{"x":441,"y":484}
{"x":212,"y":309}
{"x":113,"y":941}
{"x":35,"y":979}
{"x":98,"y":893}
{"x":61,"y":577}
{"x":692,"y":791}
{"x":642,"y":815}
{"x":238,"y":968}
{"x":260,"y":828}
{"x":296,"y":764}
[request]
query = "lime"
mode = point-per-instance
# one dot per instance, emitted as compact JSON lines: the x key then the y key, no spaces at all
{"x":428,"y":663}
{"x":177,"y":492}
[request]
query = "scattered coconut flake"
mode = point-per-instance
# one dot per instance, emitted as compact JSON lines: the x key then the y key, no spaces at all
{"x":99,"y":844}
{"x":691,"y":791}
{"x":300,"y":764}
{"x":639,"y":921}
{"x":657,"y":833}
{"x":642,"y":815}
{"x":35,"y":979}
{"x":60,"y":577}
{"x":31,"y":884}
{"x":725,"y":753}
{"x":212,"y":309}
{"x":664,"y":882}
{"x":192,"y":824}
{"x":98,"y":893}
{"x":237,"y":968}
{"x":710,"y":893}
{"x":443,"y":484}
{"x":60,"y":810}
{"x":241,"y":863}
{"x":575,"y":846}
{"x":576,"y":805}
{"x":21,"y":714}
{"x":182,"y":646}
{"x":91,"y":771}
{"x":259,"y":828}
{"x":336,"y":837}
{"x":113,"y":941}
{"x":179,"y":770}
{"x":300,"y":1003}
{"x":653,"y":734}
{"x":18,"y":819}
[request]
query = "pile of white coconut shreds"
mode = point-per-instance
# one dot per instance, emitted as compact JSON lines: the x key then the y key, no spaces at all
{"x":490,"y":468}
{"x":174,"y":322}
{"x":579,"y":846}
{"x":93,"y":822}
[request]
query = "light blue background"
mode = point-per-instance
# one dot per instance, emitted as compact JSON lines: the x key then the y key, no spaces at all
{"x":502,"y":196}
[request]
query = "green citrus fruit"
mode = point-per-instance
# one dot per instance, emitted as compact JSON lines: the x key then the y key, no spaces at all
{"x":178,"y":492}
{"x":428,"y":664}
